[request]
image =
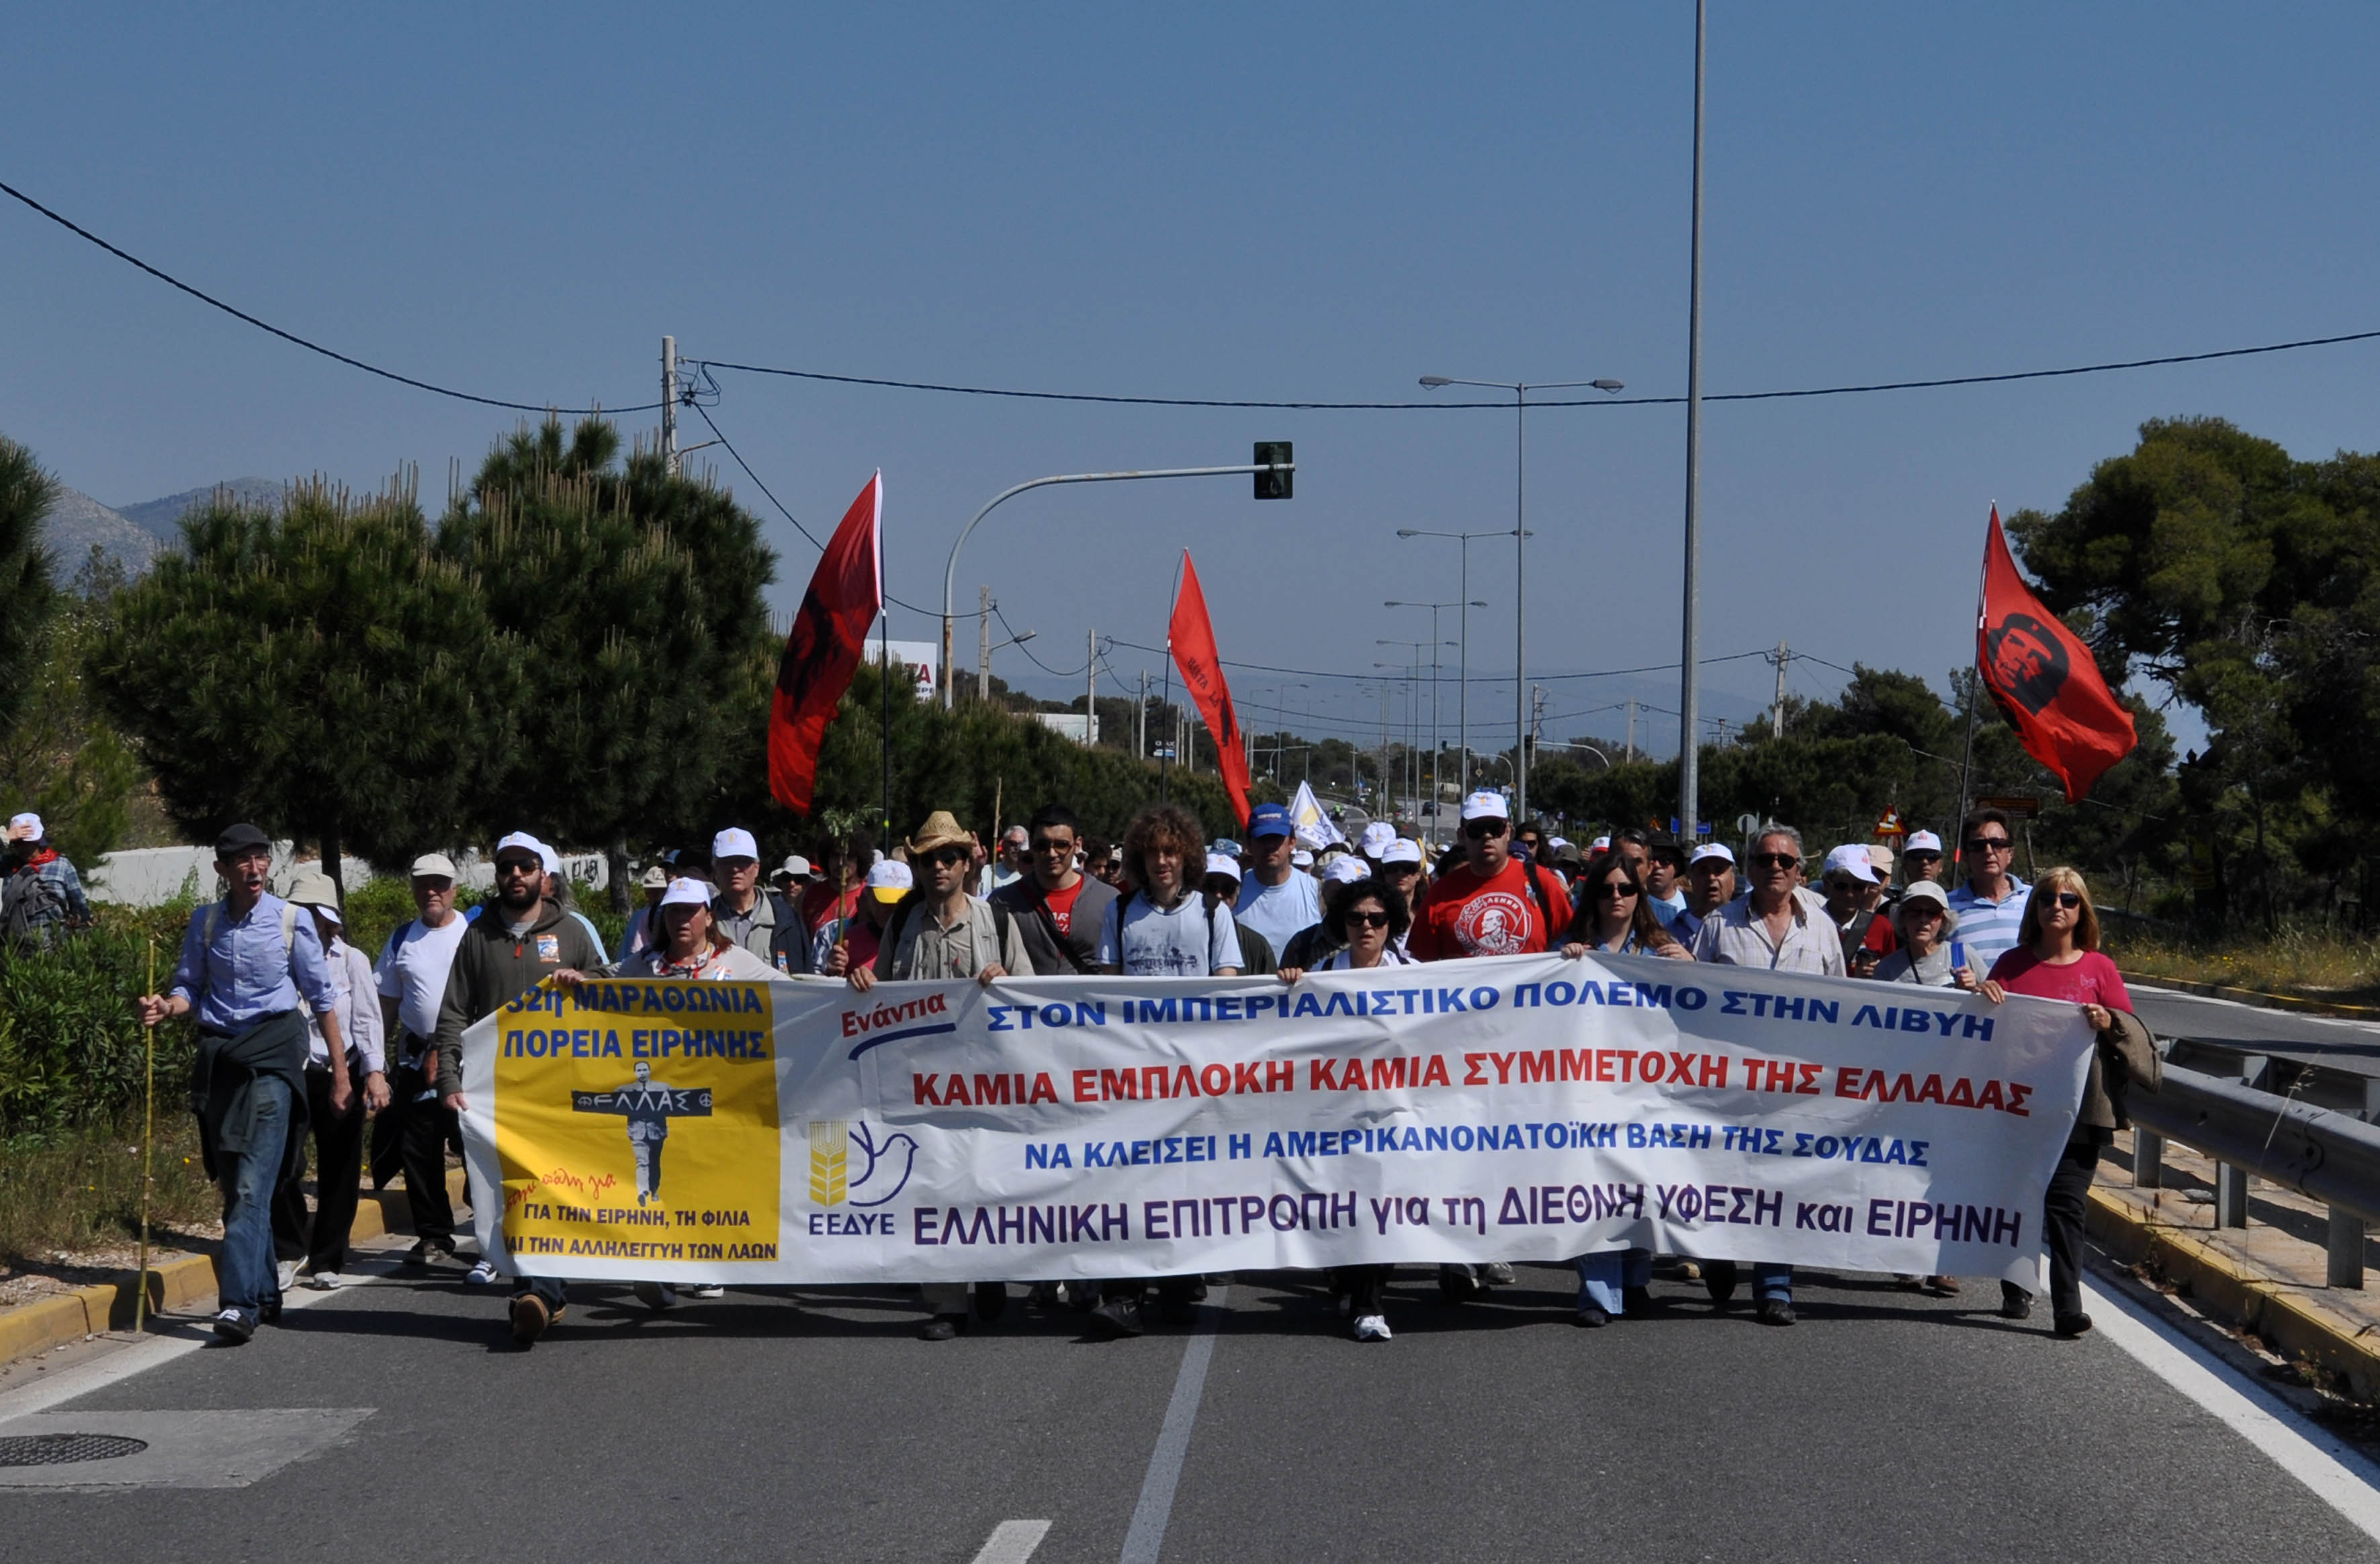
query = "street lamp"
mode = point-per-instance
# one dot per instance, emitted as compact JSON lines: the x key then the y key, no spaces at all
{"x":1437,"y":744}
{"x":1463,"y":687}
{"x":1520,"y":389}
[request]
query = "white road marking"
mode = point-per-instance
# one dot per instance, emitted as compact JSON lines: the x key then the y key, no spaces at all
{"x":2339,"y":1475}
{"x":1013,"y":1542}
{"x":1146,"y":1540}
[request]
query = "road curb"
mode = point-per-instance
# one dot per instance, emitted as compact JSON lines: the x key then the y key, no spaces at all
{"x":183,"y":1284}
{"x":2292,"y":1315}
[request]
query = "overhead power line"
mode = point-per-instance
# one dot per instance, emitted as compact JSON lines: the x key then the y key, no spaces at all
{"x":1475,"y":678}
{"x":354,"y":363}
{"x":1860,"y":390}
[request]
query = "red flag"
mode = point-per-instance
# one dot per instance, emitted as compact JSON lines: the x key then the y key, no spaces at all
{"x":830,"y":633}
{"x":1191,"y":638}
{"x":2045,"y":679}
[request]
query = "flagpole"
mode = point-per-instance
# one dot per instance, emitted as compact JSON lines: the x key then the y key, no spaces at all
{"x":1967,"y":761}
{"x":1171,"y":603}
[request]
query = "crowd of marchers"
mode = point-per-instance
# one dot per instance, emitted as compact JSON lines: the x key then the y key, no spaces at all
{"x":305,"y":1040}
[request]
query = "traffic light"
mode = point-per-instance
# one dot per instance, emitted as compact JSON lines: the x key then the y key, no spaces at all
{"x":1273,"y":485}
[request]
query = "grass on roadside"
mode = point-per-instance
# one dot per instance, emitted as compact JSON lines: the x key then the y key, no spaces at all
{"x":2312,"y":963}
{"x":80,"y":1189}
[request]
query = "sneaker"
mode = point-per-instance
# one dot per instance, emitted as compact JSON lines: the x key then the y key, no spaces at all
{"x":1776,"y":1311}
{"x":1718,"y":1280}
{"x":234,"y":1327}
{"x":990,"y":1300}
{"x":1496,"y":1273}
{"x":1117,"y":1317}
{"x":1591,"y":1317}
{"x":2015,"y":1302}
{"x":2070,"y":1326}
{"x":327,"y":1281}
{"x":484,"y":1274}
{"x":1371,"y":1327}
{"x":708,"y":1290}
{"x":285,"y":1275}
{"x":530,"y":1318}
{"x":942,"y":1328}
{"x":656,"y":1294}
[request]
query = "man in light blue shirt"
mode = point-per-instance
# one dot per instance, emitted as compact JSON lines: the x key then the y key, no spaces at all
{"x":1990,"y":904}
{"x":250,"y":967}
{"x":1276,"y":900}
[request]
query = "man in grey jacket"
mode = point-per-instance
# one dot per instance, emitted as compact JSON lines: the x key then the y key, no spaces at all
{"x":747,"y":914}
{"x":1057,"y":907}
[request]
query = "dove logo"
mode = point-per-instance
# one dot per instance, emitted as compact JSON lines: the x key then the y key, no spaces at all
{"x":883,"y":1171}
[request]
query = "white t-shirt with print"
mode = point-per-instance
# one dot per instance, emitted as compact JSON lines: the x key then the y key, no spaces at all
{"x":1177,"y":943}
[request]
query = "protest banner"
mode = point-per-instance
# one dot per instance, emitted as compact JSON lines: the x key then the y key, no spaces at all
{"x":1508,"y":1109}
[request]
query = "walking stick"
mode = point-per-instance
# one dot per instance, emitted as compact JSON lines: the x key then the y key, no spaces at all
{"x":148,"y":1139}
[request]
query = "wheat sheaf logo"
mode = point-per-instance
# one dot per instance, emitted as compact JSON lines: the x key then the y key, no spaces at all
{"x":884,"y":1166}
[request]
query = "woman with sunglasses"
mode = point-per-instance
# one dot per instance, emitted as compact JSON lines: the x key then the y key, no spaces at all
{"x":2056,"y":957}
{"x":1615,"y":917}
{"x":1368,"y":920}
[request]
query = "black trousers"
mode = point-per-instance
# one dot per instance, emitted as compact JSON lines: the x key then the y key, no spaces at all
{"x":2068,"y":1200}
{"x":1366,"y":1286}
{"x":338,"y":1138}
{"x":425,"y":1125}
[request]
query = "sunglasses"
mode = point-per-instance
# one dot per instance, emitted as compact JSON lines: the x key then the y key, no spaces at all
{"x":2070,"y":898}
{"x":942,"y":856}
{"x":1481,"y":830}
{"x":1616,"y":891}
{"x":1401,"y":868}
{"x":1775,"y":860}
{"x":1369,"y":920}
{"x":1987,"y":844}
{"x":519,"y":865}
{"x":1052,"y":844}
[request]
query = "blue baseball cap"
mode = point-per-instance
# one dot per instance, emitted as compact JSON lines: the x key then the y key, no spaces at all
{"x":1270,"y":819}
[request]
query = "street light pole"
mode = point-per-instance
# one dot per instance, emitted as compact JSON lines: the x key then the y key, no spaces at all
{"x":1689,"y":756}
{"x":1463,"y":695}
{"x":1436,"y":742}
{"x":950,"y":574}
{"x":1520,"y":390}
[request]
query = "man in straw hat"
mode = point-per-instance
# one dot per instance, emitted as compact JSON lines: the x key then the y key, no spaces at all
{"x":940,"y":931}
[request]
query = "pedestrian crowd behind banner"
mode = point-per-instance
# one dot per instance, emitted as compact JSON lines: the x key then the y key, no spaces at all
{"x":305,"y":1040}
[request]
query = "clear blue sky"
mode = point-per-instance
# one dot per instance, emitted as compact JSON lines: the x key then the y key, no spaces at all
{"x":1265,"y":202}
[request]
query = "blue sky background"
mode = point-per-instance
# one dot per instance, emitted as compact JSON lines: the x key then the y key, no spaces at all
{"x":1264,"y":203}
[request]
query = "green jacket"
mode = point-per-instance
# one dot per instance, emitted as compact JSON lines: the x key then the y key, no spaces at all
{"x":491,"y":967}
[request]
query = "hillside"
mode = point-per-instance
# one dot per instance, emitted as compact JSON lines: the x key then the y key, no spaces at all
{"x":77,"y":523}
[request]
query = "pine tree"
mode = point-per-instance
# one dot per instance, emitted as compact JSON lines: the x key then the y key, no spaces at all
{"x":26,"y":597}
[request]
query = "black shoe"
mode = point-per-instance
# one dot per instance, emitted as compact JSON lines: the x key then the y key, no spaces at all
{"x":2015,"y":1302}
{"x":2073,"y":1325}
{"x":1456,"y":1285}
{"x":1117,"y":1317}
{"x":234,"y":1326}
{"x":1776,"y":1311}
{"x":990,"y":1300}
{"x":941,"y":1328}
{"x":1719,"y":1279}
{"x":1590,"y":1318}
{"x":1638,"y":1300}
{"x":269,"y":1312}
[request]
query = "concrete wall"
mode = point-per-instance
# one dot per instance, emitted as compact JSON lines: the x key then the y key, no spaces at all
{"x":146,"y":877}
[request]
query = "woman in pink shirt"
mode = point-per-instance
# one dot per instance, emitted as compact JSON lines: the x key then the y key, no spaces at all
{"x":2056,"y":957}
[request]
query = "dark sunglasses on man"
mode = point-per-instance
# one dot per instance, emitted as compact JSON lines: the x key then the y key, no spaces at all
{"x":1988,"y":844}
{"x":1485,"y":830}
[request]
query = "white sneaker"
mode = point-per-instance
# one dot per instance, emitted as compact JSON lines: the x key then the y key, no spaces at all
{"x":1371,"y":1327}
{"x":286,"y":1275}
{"x":712,"y":1290}
{"x":656,"y":1294}
{"x":1497,"y":1271}
{"x":484,"y":1274}
{"x":325,"y":1281}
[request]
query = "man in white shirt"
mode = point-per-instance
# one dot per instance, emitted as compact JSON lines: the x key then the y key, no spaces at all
{"x":411,"y":979}
{"x":1275,"y":900}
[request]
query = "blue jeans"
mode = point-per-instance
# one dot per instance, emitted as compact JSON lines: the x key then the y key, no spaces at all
{"x":1769,"y":1280}
{"x":1603,"y":1274}
{"x":247,"y":1277}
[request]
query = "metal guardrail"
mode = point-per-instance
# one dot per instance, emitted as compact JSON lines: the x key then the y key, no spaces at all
{"x":2324,"y":1156}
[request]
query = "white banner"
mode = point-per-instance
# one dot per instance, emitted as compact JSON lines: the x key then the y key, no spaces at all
{"x":1508,"y":1109}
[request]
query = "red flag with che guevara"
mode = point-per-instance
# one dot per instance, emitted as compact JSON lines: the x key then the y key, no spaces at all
{"x":828,"y":635}
{"x":2043,"y":677}
{"x":1192,"y":640}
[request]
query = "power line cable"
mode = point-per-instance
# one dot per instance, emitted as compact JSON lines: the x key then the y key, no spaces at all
{"x":1442,"y":407}
{"x":729,"y":447}
{"x":1475,"y":678}
{"x":204,"y":298}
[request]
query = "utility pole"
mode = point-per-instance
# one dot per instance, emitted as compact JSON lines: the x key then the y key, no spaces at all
{"x":1777,"y":712}
{"x":983,"y":648}
{"x":1690,"y":653}
{"x":669,"y":405}
{"x":1090,"y":685}
{"x":1140,"y":720}
{"x":1629,"y":753}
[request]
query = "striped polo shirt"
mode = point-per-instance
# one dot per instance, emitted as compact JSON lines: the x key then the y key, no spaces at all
{"x":1989,"y":929}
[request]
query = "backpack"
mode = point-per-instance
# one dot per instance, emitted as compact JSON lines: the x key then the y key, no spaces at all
{"x":1000,"y":922}
{"x":31,"y":911}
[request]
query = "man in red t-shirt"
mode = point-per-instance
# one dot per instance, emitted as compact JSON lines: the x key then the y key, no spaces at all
{"x":1492,"y":903}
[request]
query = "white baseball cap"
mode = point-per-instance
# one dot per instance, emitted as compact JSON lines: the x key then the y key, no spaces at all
{"x":523,"y":842}
{"x":549,"y":858}
{"x":1851,"y":859}
{"x":1345,"y":870}
{"x":798,"y":866}
{"x":1713,"y":850}
{"x":1375,"y":837}
{"x":1403,"y":850}
{"x":1600,"y":844}
{"x":687,"y":891}
{"x":733,"y":843}
{"x":1302,"y":858}
{"x":1922,"y":842}
{"x":1486,"y":806}
{"x":889,"y":875}
{"x":1223,"y":863}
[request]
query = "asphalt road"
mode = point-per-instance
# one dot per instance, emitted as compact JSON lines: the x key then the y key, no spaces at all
{"x":811,"y":1426}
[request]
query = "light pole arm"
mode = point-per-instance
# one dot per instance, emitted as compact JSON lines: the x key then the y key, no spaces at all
{"x":951,"y":572}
